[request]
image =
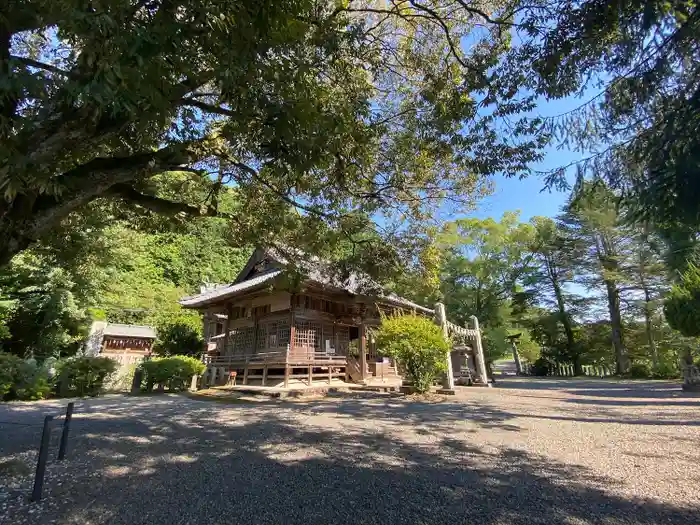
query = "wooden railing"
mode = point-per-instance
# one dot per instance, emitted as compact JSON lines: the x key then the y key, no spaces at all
{"x":274,"y":356}
{"x":277,"y":357}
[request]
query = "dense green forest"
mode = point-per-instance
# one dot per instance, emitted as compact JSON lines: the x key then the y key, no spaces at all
{"x":586,"y":287}
{"x":52,"y":293}
{"x":144,"y":146}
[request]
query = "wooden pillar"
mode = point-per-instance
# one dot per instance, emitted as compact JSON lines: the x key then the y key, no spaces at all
{"x":245,"y":373}
{"x":441,"y":319}
{"x":227,"y":327}
{"x":206,"y":318}
{"x":311,"y":374}
{"x":254,"y":349}
{"x":479,"y":354}
{"x":286,"y":369}
{"x":264,"y":379}
{"x":363,"y":350}
{"x":292,"y":336}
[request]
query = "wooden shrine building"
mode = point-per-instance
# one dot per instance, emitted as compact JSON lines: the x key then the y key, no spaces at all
{"x":125,"y":343}
{"x":271,"y":332}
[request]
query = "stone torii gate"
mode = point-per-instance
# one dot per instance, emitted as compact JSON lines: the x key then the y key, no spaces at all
{"x":454,"y":332}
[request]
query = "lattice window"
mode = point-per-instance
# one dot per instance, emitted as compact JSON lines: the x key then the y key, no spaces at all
{"x":327,"y":339}
{"x":342,"y":334}
{"x":283,"y":333}
{"x":273,"y":334}
{"x":121,"y":342}
{"x":311,"y":336}
{"x":240,"y":341}
{"x":306,"y":335}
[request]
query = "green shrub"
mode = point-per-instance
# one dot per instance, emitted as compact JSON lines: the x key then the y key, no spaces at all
{"x":173,"y":373}
{"x":9,"y":365}
{"x":682,"y":304}
{"x":83,"y":376}
{"x":22,"y":380}
{"x":665,"y":370}
{"x":181,"y":336}
{"x":32,"y":383}
{"x":540,"y":367}
{"x":418,"y":343}
{"x":640,"y":371}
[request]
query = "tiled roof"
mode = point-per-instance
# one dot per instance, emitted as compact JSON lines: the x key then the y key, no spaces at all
{"x":395,"y":299}
{"x":129,"y":330}
{"x":221,"y":292}
{"x":317,"y":271}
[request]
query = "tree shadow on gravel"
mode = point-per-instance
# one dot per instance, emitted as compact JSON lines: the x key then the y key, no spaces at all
{"x":175,"y":462}
{"x":604,"y":388}
{"x":441,"y":416}
{"x":432,"y":415}
{"x":634,"y":402}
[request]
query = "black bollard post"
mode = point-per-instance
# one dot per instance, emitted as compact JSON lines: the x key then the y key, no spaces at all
{"x":43,"y":456}
{"x":66,"y":429}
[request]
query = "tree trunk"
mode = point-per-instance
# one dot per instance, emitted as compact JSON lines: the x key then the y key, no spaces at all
{"x":565,"y":319}
{"x":621,"y":356}
{"x":649,"y":331}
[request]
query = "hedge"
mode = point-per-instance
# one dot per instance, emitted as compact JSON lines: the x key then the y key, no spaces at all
{"x":22,"y":380}
{"x":83,"y":376}
{"x":173,"y":373}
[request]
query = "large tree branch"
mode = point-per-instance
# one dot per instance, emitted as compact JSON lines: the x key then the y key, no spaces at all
{"x":483,"y":14}
{"x":39,"y":65}
{"x":281,"y":194}
{"x":112,"y":170}
{"x":446,"y":30}
{"x":89,"y":181}
{"x":209,"y":108}
{"x":31,"y":215}
{"x":160,"y":205}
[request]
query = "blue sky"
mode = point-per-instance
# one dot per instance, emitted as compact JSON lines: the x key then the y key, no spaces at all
{"x":528,"y":195}
{"x":523,"y":195}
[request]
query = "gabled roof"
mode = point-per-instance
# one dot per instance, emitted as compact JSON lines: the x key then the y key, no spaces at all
{"x":249,"y":279}
{"x":129,"y":330}
{"x":229,"y":290}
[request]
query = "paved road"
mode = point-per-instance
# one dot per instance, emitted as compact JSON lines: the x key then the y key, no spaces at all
{"x":558,"y":452}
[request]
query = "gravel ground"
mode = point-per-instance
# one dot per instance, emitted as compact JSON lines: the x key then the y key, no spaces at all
{"x":531,"y":451}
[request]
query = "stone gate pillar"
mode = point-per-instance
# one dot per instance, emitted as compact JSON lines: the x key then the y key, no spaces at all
{"x":479,"y":354}
{"x":441,"y":319}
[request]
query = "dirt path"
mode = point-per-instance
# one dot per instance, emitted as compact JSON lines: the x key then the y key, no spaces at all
{"x":528,"y":452}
